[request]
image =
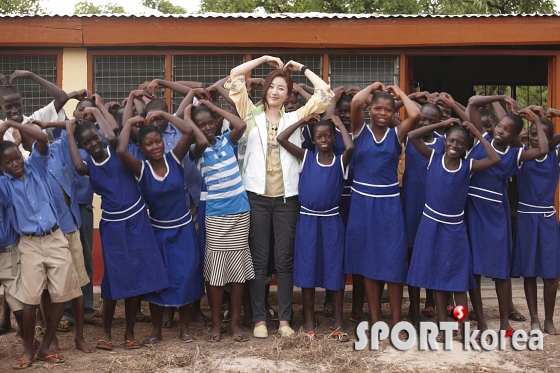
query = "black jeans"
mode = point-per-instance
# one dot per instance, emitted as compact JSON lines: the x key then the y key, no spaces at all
{"x":284,"y":214}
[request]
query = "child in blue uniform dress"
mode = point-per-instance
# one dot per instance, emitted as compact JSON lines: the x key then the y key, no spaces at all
{"x":319,"y":244}
{"x":379,"y":253}
{"x":161,"y":180}
{"x":133,"y":265}
{"x":441,"y":259}
{"x":414,"y":196}
{"x":486,"y":216}
{"x":536,"y":253}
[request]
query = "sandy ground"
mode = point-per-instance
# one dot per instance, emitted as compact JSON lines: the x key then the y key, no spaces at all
{"x":294,"y":354}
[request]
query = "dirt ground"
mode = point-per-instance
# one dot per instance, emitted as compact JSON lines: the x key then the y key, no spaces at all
{"x":293,"y":354}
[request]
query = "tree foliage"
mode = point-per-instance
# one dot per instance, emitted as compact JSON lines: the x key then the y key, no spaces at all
{"x":431,"y":7}
{"x":20,"y":7}
{"x":164,"y":6}
{"x":86,"y":7}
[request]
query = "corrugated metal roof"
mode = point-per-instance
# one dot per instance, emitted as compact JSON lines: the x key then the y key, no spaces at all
{"x":280,"y":15}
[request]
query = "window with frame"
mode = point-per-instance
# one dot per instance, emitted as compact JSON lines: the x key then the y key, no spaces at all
{"x":362,"y":70}
{"x":114,"y":77}
{"x":43,"y":65}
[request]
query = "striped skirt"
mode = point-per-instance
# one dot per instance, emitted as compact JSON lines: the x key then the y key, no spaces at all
{"x":227,"y":257}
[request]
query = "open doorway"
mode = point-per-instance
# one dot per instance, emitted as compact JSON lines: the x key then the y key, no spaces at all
{"x":525,"y":78}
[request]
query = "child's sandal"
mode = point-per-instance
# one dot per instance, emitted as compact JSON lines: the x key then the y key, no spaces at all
{"x":340,"y":336}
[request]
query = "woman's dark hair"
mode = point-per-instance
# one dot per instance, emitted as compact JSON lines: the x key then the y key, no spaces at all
{"x":144,"y":131}
{"x":517,"y":122}
{"x":81,"y":128}
{"x":273,"y":75}
{"x":384,"y":95}
{"x":324,"y":123}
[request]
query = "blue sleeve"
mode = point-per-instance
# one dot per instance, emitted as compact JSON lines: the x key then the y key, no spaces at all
{"x":39,"y":161}
{"x":226,"y":136}
{"x":4,"y":194}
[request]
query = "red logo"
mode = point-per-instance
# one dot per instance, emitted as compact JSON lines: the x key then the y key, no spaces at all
{"x":460,"y":312}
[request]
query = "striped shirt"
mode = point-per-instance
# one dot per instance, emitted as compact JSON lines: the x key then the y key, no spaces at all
{"x":219,"y":168}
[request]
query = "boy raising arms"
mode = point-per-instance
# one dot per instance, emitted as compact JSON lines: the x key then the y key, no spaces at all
{"x":25,"y":192}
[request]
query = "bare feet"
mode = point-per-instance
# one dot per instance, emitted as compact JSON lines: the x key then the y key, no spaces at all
{"x":83,"y":346}
{"x":549,"y":328}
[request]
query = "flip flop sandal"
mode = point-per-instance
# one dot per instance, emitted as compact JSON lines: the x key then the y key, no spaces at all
{"x":516,"y":316}
{"x":340,"y":336}
{"x":150,"y":342}
{"x":63,"y":326}
{"x":40,"y":330}
{"x":22,"y":364}
{"x":104,"y":345}
{"x":187,"y":338}
{"x":310,"y":335}
{"x":96,"y":320}
{"x":428,"y":312}
{"x":53,"y":359}
{"x":131,"y":345}
{"x":213,"y":338}
{"x":240,"y":337}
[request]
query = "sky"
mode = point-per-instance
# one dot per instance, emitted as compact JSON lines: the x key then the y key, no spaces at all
{"x":64,"y":7}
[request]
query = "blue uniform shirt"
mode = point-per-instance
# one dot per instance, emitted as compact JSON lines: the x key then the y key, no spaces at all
{"x":62,"y":178}
{"x":31,"y":199}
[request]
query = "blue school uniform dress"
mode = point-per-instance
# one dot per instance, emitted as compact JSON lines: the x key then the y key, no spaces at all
{"x":536,"y":251}
{"x":414,"y":187}
{"x":132,"y":262}
{"x":338,"y":149}
{"x":375,"y":236}
{"x":487,"y":218}
{"x":319,"y":243}
{"x":441,"y":259}
{"x":175,"y":234}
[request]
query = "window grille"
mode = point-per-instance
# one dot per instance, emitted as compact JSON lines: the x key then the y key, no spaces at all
{"x":43,"y":65}
{"x":115,"y":76}
{"x":363,"y":69}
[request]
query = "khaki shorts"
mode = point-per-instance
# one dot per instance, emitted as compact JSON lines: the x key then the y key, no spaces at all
{"x":48,"y":256}
{"x":9,"y":269}
{"x":77,"y":252}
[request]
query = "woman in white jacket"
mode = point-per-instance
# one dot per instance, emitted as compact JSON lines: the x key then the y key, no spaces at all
{"x":271,"y":175}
